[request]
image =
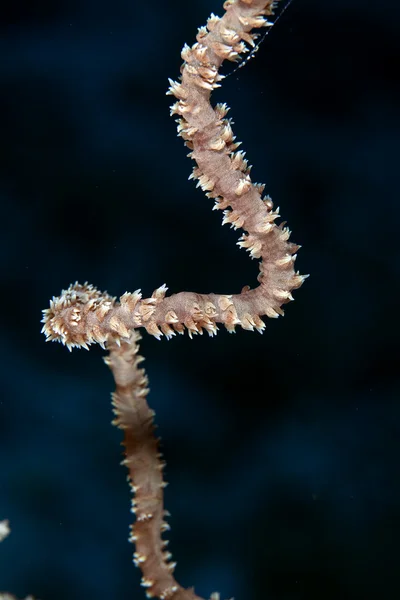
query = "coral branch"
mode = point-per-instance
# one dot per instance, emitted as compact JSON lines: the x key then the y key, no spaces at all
{"x":143,"y":460}
{"x":82,"y":315}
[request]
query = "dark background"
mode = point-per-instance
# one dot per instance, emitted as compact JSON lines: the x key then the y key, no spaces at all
{"x":282,"y":450}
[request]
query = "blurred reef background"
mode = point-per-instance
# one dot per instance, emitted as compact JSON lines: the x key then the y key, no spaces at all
{"x":282,"y":450}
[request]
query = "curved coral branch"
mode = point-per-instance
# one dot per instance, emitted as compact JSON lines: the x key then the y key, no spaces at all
{"x":82,"y":315}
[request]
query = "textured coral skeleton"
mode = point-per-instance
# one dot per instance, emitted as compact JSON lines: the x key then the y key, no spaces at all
{"x":82,"y":315}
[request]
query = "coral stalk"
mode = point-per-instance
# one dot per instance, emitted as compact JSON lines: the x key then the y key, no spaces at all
{"x":82,"y":315}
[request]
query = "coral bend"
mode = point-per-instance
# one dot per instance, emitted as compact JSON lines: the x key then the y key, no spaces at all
{"x":82,"y":315}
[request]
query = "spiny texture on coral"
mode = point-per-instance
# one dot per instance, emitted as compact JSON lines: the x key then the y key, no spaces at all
{"x":145,"y":466}
{"x":82,"y":315}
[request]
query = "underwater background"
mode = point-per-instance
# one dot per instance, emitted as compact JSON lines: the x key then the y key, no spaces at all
{"x":282,"y":450}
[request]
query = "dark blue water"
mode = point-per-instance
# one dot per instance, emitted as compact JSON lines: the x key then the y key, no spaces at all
{"x":282,"y":450}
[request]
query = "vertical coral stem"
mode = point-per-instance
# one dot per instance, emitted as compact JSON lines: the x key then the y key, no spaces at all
{"x":143,"y":460}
